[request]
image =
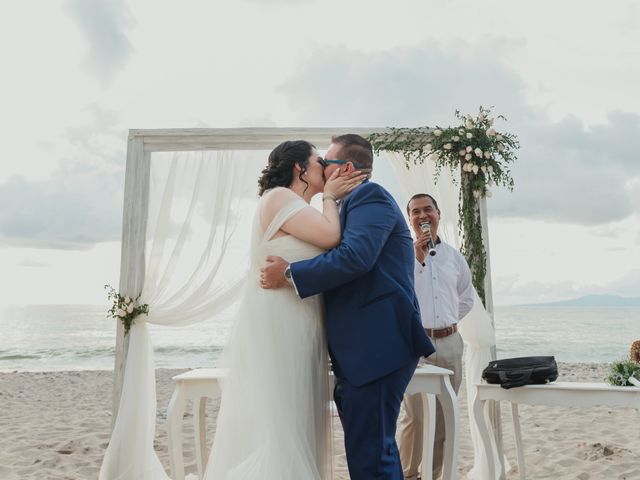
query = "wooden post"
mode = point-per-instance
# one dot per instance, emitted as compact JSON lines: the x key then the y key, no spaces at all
{"x":494,"y":412}
{"x":480,"y":212}
{"x":132,"y":262}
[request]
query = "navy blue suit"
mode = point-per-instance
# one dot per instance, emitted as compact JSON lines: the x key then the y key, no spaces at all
{"x":374,"y":330}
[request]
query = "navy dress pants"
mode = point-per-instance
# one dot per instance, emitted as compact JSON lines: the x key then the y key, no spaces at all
{"x":369,"y":414}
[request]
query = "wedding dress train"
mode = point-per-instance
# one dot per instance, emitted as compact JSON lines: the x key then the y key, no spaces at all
{"x":274,"y":419}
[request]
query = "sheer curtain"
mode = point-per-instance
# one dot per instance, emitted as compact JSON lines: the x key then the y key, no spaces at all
{"x":199,"y":220}
{"x":476,"y":328}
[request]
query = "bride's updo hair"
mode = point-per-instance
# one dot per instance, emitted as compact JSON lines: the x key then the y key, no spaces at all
{"x":279,"y":171}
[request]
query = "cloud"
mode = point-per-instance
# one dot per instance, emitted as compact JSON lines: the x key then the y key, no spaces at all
{"x":404,"y":86}
{"x":104,"y":25}
{"x":73,"y":209}
{"x":80,"y":203}
{"x":566,"y":172}
{"x":627,"y":285}
{"x":510,"y":289}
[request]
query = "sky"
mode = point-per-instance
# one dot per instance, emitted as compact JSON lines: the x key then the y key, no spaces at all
{"x":77,"y":74}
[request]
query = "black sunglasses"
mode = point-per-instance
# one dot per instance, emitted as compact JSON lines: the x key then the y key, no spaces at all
{"x":326,"y":163}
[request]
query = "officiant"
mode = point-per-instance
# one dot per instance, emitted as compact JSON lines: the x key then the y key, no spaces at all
{"x":445,"y":294}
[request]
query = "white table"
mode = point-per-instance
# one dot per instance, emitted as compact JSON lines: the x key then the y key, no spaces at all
{"x":559,"y":394}
{"x":198,"y":385}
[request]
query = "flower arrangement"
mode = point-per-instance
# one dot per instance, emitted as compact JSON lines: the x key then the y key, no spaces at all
{"x":124,"y":308}
{"x":480,"y":154}
{"x":476,"y":148}
{"x":624,"y":373}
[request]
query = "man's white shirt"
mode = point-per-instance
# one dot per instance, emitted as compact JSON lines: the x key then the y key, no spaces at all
{"x":443,"y":287}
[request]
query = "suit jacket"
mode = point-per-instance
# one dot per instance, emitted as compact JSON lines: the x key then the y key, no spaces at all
{"x":373,"y":319}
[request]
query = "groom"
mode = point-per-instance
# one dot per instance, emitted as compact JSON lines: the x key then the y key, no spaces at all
{"x":373,"y":323}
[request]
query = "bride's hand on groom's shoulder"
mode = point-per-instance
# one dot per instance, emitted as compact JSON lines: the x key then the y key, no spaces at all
{"x":340,"y":185}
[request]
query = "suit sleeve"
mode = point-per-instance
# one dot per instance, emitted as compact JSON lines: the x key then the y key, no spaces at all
{"x":369,"y":220}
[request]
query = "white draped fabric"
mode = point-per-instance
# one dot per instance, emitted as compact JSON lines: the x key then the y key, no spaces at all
{"x":197,"y":236}
{"x":198,"y":205}
{"x":476,"y":328}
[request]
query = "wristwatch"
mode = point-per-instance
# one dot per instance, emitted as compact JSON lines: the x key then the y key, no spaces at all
{"x":287,"y":274}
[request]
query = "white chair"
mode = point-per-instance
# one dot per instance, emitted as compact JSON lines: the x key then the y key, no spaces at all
{"x":201,"y":384}
{"x":197,"y":386}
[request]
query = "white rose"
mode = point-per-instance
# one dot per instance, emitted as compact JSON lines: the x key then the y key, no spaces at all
{"x":462,"y":152}
{"x":476,"y":194}
{"x":465,"y":167}
{"x":127,"y":300}
{"x":490,"y":168}
{"x":461,"y":131}
{"x":490,"y":182}
{"x":447,"y":146}
{"x":130,"y":308}
{"x":480,"y":116}
{"x":468,"y":124}
{"x":500,"y":147}
{"x":469,"y":117}
{"x":487,"y":155}
{"x":484,"y":169}
{"x":428,"y":147}
{"x":475,"y":169}
{"x":469,"y":135}
{"x":499,"y":137}
{"x":467,"y":156}
{"x":478,"y":152}
{"x":488,"y":194}
{"x":469,"y":149}
{"x":455,"y":138}
{"x":120,"y":313}
{"x":437,"y":133}
{"x":491,"y":132}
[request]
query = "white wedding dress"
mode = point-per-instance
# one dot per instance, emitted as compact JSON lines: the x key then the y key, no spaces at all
{"x":274,"y":420}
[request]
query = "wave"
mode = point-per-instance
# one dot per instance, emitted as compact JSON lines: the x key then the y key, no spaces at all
{"x":18,"y":357}
{"x":168,"y":349}
{"x":97,"y":352}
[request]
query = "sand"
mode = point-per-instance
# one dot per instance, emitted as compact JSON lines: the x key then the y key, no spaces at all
{"x":55,"y":425}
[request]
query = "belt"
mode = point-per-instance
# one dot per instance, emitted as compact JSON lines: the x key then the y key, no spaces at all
{"x":441,"y":332}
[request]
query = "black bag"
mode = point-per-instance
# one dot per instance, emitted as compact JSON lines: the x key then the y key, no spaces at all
{"x":516,"y":372}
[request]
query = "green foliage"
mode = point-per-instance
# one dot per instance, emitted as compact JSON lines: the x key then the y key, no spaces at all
{"x":124,"y":308}
{"x":620,"y":372}
{"x":476,"y":152}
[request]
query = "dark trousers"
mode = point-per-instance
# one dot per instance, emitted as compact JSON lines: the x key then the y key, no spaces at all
{"x":369,"y":414}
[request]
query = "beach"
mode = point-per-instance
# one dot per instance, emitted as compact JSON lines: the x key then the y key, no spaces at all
{"x":55,"y":425}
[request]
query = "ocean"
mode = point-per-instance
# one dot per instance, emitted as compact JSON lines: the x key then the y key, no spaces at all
{"x":81,"y":337}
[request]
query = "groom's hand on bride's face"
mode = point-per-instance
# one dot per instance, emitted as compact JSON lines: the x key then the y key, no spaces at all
{"x":272,"y":273}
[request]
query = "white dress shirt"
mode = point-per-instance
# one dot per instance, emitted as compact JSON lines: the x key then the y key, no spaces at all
{"x":443,"y":287}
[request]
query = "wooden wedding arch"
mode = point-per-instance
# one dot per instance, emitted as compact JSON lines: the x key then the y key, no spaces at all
{"x":142,"y":143}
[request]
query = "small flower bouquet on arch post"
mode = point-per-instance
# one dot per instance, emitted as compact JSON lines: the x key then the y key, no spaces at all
{"x":124,"y":308}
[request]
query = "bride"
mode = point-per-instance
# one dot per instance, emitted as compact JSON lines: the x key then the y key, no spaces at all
{"x":274,"y":420}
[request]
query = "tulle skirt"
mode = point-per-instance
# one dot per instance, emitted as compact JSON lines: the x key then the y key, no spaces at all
{"x":274,"y":420}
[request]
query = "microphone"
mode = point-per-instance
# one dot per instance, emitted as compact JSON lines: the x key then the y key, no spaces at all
{"x":426,"y":227}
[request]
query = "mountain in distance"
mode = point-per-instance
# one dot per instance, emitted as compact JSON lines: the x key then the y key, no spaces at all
{"x":593,"y":301}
